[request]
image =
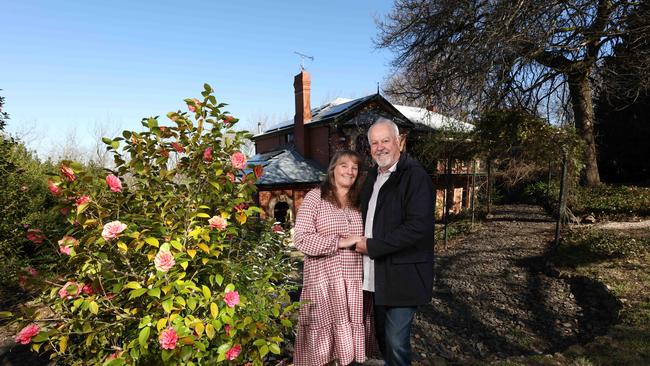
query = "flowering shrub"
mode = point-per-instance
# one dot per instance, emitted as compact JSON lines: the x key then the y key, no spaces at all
{"x":168,"y":246}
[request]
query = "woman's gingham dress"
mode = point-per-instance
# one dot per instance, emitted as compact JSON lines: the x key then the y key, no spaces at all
{"x":331,"y":322}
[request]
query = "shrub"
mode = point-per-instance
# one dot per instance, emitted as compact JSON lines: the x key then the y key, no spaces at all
{"x":168,"y":260}
{"x":608,"y":200}
{"x":27,"y":212}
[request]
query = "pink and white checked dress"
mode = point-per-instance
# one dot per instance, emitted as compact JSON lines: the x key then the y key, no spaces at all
{"x":331,"y":322}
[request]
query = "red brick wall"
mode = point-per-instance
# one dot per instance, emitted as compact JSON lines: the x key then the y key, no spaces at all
{"x":268,"y":143}
{"x":318,"y":148}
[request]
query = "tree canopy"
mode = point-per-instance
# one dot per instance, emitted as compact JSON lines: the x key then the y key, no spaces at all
{"x":538,"y":55}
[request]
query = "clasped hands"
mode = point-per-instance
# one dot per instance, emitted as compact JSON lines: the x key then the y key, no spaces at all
{"x":359,"y":243}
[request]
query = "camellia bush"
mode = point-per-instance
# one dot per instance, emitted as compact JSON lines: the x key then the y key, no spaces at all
{"x":169,"y":262}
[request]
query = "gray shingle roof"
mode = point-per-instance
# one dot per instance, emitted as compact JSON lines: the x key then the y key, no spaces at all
{"x":286,"y":166}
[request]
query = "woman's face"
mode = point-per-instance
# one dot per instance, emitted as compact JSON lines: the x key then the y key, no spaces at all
{"x":345,"y":172}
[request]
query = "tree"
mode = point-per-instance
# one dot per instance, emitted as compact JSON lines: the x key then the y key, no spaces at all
{"x":621,"y":111}
{"x":539,"y":55}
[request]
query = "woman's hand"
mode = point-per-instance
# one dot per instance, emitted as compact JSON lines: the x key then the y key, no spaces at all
{"x":349,"y":241}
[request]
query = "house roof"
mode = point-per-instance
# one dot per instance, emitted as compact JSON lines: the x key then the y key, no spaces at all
{"x":422,"y":118}
{"x":286,"y":166}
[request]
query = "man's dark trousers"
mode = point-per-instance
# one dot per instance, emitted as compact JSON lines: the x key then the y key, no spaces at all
{"x":393,"y":328}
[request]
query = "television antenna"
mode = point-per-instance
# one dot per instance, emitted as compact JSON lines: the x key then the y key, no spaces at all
{"x":302,"y":59}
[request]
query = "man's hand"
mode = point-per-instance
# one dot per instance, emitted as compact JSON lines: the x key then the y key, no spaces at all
{"x":362,"y":246}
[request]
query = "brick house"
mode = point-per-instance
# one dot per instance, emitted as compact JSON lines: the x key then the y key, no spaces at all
{"x":295,"y":154}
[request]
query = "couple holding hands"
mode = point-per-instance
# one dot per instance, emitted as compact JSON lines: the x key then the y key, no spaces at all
{"x":368,"y":256}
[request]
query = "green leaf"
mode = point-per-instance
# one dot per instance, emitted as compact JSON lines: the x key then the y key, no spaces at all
{"x":93,"y":307}
{"x":286,"y":323}
{"x":167,"y":354}
{"x":152,"y":122}
{"x":107,"y":141}
{"x":177,"y":245}
{"x":137,"y":293}
{"x":214,"y":310}
{"x":6,"y":314}
{"x":41,"y":337}
{"x":259,"y":342}
{"x":167,"y":304}
{"x":219,"y":279}
{"x":144,"y":336}
{"x":154,"y":292}
{"x":209,"y":331}
{"x":264,"y":350}
{"x":224,"y":348}
{"x":152,"y":241}
{"x":201,"y":214}
{"x":274,"y":348}
{"x":115,"y":144}
{"x":206,"y":292}
{"x":191,"y":303}
{"x":133,"y":285}
{"x":160,"y":324}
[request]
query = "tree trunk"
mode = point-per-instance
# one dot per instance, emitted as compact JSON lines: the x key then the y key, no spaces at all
{"x":583,"y":111}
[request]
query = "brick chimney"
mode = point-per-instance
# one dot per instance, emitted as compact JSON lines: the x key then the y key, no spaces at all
{"x":302,"y":87}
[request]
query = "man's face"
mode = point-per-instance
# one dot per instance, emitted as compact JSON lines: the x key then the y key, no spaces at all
{"x":384,"y":147}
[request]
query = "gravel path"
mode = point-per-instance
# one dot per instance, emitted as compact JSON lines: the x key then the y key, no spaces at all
{"x":492,"y":300}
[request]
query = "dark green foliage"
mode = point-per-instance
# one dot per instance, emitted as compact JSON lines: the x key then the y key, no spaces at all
{"x":586,"y":245}
{"x":26,"y":204}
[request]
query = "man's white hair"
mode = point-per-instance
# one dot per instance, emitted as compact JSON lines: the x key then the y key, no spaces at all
{"x":385,"y":121}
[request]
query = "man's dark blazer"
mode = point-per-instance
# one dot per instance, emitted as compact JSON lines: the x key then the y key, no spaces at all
{"x":402,"y":234}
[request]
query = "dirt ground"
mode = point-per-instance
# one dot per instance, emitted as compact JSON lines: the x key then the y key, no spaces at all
{"x":496,"y":299}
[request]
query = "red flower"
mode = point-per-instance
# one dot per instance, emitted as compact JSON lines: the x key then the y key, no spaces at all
{"x":258,"y":170}
{"x":178,"y":147}
{"x":54,"y":188}
{"x":26,"y":334}
{"x":64,"y":294}
{"x":87,"y":289}
{"x":233,"y":352}
{"x":207,"y":154}
{"x":231,"y":177}
{"x":168,"y":339}
{"x":238,"y":160}
{"x":35,"y":236}
{"x":231,"y":299}
{"x":114,"y":183}
{"x":277,"y":228}
{"x":82,"y":200}
{"x":229,"y":120}
{"x":68,"y":173}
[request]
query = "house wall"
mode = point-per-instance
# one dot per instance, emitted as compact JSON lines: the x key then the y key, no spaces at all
{"x":268,"y":143}
{"x":318,"y":148}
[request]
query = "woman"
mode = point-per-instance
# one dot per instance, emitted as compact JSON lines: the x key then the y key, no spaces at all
{"x":331,"y":323}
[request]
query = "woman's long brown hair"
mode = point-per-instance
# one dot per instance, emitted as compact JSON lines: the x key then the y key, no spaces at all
{"x":328,"y":188}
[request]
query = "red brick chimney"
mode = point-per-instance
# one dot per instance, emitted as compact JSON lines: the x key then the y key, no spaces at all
{"x":302,"y":87}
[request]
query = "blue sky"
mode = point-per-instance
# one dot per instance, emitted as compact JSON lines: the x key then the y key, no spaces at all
{"x":67,"y":66}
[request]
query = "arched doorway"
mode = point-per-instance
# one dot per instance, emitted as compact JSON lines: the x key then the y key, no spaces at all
{"x":280,"y":213}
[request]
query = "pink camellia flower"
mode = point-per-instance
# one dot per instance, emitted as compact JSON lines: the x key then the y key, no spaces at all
{"x":231,"y":298}
{"x":25,"y":335}
{"x":207,"y":154}
{"x":112,"y":230}
{"x":35,"y":236}
{"x":82,"y":200}
{"x":114,"y":183}
{"x":64,"y":294}
{"x":65,"y":249}
{"x":277,"y":228}
{"x":54,"y":188}
{"x":231,"y":177}
{"x":218,"y":222}
{"x":168,"y":339}
{"x":87,"y":289}
{"x":178,"y":147}
{"x":164,"y":261}
{"x":68,"y":173}
{"x":238,"y":160}
{"x":233,"y":352}
{"x":68,"y":240}
{"x":32,"y":271}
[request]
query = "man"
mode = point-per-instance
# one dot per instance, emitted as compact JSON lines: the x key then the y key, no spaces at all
{"x":397,"y":207}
